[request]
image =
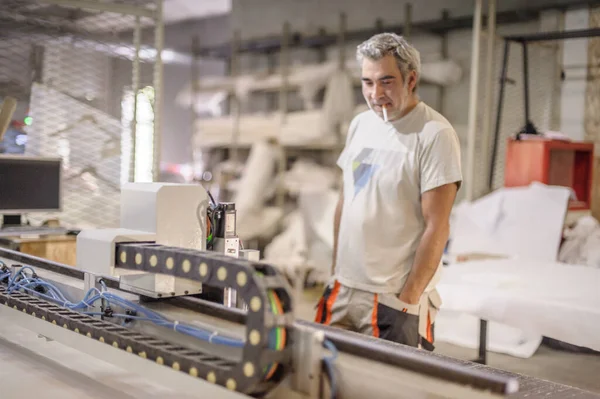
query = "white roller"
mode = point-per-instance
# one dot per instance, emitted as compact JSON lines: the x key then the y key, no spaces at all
{"x":309,"y":79}
{"x":442,"y":72}
{"x":256,"y":178}
{"x":300,"y":128}
{"x":338,"y":105}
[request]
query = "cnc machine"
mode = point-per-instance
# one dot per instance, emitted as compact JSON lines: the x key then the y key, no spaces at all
{"x":128,"y":322}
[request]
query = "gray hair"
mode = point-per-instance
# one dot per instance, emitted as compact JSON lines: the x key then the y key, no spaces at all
{"x":383,"y":44}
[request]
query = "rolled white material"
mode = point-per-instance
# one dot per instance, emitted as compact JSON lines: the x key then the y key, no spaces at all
{"x":256,"y":178}
{"x":338,"y":105}
{"x":301,"y":128}
{"x":442,"y":72}
{"x":385,"y":117}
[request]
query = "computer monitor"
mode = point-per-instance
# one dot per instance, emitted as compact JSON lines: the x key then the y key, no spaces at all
{"x":29,"y":184}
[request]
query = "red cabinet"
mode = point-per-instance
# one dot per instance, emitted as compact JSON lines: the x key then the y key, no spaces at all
{"x":552,"y":162}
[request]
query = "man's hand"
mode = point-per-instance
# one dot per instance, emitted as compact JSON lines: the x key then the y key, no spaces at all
{"x":336,"y":225}
{"x":410,"y":298}
{"x":436,"y":206}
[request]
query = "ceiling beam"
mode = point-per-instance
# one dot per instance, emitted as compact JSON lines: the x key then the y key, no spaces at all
{"x":439,"y":27}
{"x":297,"y":39}
{"x":119,"y":8}
{"x":558,"y":35}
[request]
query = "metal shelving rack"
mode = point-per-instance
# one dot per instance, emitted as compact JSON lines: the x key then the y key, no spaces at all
{"x":288,"y":40}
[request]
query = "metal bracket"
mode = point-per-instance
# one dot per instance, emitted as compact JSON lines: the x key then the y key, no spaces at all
{"x":14,"y":268}
{"x":307,"y":356}
{"x":90,"y":280}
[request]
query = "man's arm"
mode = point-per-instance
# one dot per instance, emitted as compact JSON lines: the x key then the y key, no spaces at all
{"x":336,"y":225}
{"x":436,"y":205}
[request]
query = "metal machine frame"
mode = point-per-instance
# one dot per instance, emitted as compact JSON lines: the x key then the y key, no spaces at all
{"x":365,"y":365}
{"x":257,"y":350}
{"x":304,"y":353}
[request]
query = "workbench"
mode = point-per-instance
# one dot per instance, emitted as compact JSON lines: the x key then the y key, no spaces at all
{"x":60,"y":248}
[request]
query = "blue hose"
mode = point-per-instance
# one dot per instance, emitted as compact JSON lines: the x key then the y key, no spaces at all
{"x":53,"y":294}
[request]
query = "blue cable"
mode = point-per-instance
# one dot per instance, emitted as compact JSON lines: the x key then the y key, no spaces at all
{"x":54,"y":294}
{"x":328,"y":362}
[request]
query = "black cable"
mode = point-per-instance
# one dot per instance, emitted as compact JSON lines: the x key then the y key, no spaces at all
{"x":211,"y":198}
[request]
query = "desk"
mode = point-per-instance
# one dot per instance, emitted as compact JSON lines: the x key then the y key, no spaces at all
{"x":61,"y":248}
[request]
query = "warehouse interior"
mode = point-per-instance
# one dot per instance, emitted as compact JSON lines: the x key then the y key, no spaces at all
{"x":133,"y":132}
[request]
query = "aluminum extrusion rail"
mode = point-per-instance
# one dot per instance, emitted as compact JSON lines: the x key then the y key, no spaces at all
{"x":367,"y":347}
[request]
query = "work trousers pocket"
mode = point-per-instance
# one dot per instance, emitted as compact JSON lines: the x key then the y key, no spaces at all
{"x":397,"y":321}
{"x":324,"y":307}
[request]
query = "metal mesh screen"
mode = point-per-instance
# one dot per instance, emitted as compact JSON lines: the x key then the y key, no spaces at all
{"x":72,"y":71}
{"x":544,"y":81}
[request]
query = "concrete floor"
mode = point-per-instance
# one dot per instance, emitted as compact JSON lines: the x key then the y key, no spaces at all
{"x":577,"y":370}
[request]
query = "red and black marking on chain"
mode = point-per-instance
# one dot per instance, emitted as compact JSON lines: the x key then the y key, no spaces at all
{"x":256,"y":283}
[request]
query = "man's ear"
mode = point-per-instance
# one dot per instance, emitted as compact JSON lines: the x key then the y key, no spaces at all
{"x":412,"y":81}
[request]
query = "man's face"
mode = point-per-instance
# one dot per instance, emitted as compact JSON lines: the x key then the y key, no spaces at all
{"x":382,"y":85}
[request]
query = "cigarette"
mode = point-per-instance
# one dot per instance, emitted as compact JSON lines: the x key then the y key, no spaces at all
{"x":385,"y":113}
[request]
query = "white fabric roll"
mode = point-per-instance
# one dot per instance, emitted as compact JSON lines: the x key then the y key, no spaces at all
{"x":338,"y":105}
{"x":256,"y":178}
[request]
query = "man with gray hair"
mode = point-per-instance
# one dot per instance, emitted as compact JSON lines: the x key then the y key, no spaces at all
{"x":401,"y":172}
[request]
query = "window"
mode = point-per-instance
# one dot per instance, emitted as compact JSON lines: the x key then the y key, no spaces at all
{"x":144,"y":137}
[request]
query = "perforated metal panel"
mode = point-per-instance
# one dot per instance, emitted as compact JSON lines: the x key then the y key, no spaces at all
{"x":544,"y":106}
{"x":72,"y":70}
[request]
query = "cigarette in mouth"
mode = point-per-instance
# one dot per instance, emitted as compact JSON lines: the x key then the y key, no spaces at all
{"x":384,"y":113}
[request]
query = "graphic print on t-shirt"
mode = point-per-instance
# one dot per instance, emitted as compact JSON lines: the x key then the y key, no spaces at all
{"x":362,"y":171}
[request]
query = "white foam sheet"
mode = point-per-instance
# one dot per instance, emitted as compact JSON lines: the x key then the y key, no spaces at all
{"x":521,"y":221}
{"x":526,"y":299}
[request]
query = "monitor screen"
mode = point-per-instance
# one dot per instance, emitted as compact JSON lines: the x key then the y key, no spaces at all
{"x":29,"y":184}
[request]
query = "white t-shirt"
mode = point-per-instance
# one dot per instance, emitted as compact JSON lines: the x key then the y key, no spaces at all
{"x":386,"y":168}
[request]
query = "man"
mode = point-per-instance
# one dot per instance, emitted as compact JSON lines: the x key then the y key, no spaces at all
{"x":401,"y":172}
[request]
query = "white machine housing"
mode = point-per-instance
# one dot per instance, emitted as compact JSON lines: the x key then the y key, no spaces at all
{"x":163,"y":213}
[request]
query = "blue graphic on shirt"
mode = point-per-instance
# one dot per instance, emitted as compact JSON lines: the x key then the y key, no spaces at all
{"x":362,"y":170}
